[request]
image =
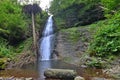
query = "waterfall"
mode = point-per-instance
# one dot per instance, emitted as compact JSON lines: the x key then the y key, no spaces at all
{"x":46,"y":45}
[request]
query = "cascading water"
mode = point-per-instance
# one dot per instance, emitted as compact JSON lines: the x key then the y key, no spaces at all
{"x":46,"y":45}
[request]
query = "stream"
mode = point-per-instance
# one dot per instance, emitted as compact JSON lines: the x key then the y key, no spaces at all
{"x":47,"y":41}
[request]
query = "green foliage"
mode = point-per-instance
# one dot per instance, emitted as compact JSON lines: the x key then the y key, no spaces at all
{"x":40,"y":19}
{"x":12,"y":23}
{"x":107,"y":38}
{"x":59,"y":5}
{"x":70,"y":13}
{"x":111,"y":4}
{"x":96,"y":62}
{"x":60,"y":23}
{"x":24,"y":46}
{"x":5,"y":50}
{"x":13,"y":28}
{"x":2,"y":63}
{"x":72,"y":34}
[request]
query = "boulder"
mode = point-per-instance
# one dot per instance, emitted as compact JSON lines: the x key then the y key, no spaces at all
{"x":79,"y":78}
{"x":1,"y":78}
{"x":29,"y":79}
{"x":60,"y":73}
{"x":98,"y":78}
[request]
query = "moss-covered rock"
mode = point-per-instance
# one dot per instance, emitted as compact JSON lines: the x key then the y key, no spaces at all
{"x":3,"y":63}
{"x":60,"y":73}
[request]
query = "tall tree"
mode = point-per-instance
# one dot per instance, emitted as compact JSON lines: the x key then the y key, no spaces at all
{"x":32,"y":10}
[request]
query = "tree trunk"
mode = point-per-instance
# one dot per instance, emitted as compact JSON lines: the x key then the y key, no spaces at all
{"x":34,"y":33}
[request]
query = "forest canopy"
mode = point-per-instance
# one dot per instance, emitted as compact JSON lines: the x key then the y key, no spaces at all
{"x":12,"y":24}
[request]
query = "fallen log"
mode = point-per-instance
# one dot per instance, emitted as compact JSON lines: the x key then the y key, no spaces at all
{"x":60,"y":74}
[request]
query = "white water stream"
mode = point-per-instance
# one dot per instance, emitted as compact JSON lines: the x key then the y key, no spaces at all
{"x":46,"y":45}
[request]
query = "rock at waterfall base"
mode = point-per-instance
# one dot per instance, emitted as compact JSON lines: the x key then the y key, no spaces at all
{"x":79,"y":78}
{"x":60,"y":73}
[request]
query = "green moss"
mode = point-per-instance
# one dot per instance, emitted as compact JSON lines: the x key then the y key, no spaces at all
{"x":96,"y":62}
{"x":67,"y":59}
{"x":3,"y":63}
{"x":72,"y":34}
{"x":60,"y":23}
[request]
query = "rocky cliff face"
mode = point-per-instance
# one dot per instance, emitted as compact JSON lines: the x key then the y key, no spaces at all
{"x":73,"y":42}
{"x":73,"y":16}
{"x":72,"y":46}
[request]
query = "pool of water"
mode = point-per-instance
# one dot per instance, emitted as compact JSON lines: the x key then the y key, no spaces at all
{"x":37,"y":70}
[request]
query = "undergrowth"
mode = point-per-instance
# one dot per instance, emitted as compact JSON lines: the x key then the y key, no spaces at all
{"x":106,"y":40}
{"x":105,"y":45}
{"x":11,"y":51}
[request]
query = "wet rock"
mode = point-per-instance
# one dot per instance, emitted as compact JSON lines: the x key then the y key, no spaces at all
{"x":29,"y":79}
{"x":19,"y":79}
{"x":73,"y":51}
{"x":11,"y":78}
{"x":1,"y":78}
{"x":22,"y":78}
{"x":83,"y":66}
{"x":79,"y":78}
{"x":97,"y":78}
{"x":114,"y":71}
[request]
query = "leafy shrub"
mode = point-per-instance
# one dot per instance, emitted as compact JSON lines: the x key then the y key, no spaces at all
{"x":2,"y":64}
{"x":110,"y":4}
{"x":12,"y":22}
{"x":107,"y":39}
{"x":5,"y":50}
{"x":96,"y":62}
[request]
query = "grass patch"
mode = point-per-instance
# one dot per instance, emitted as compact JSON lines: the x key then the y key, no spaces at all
{"x":72,"y":34}
{"x":67,"y":59}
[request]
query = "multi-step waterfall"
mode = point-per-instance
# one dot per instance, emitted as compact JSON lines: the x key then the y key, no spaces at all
{"x":46,"y":45}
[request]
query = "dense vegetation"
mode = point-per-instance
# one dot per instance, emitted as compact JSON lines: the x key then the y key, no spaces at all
{"x":106,"y":39}
{"x":12,"y":26}
{"x":76,"y":12}
{"x":16,"y":30}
